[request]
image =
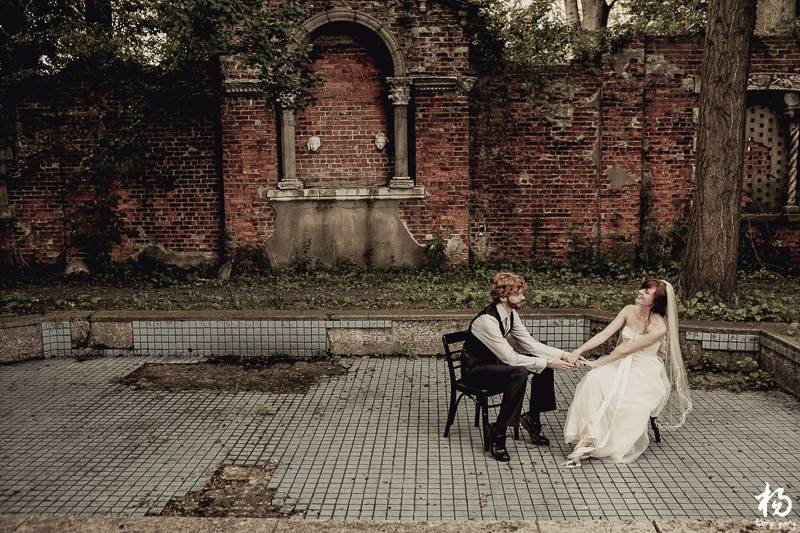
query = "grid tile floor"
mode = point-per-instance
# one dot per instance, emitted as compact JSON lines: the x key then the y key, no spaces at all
{"x":366,"y":445}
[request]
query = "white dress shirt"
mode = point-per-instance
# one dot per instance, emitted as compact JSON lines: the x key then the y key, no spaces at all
{"x":487,"y":330}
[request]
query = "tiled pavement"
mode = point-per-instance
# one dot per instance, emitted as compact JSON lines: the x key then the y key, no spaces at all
{"x":366,"y":445}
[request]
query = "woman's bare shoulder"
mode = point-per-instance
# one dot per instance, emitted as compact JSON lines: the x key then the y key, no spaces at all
{"x":658,"y":321}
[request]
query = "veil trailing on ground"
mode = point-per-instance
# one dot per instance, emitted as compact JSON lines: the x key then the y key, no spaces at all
{"x":672,"y":414}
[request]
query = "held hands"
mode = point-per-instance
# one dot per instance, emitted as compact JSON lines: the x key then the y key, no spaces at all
{"x":560,"y":364}
{"x":576,"y":360}
{"x":573,"y":358}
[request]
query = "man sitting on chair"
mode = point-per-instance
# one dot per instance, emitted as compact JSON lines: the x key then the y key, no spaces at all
{"x":489,"y":362}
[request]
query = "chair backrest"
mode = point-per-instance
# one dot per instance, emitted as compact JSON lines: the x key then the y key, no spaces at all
{"x":453,"y":352}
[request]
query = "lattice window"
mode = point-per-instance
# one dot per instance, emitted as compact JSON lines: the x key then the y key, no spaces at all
{"x":765,"y":158}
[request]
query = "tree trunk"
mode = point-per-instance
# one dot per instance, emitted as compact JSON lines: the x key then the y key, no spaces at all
{"x":595,"y":14}
{"x":571,"y":12}
{"x":774,"y":16}
{"x":709,"y":263}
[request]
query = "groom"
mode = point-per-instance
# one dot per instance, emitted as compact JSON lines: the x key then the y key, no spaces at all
{"x":490,"y":362}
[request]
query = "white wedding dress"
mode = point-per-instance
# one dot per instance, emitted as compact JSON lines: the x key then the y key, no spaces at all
{"x":611,"y":410}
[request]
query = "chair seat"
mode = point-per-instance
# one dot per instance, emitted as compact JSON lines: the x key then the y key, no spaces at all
{"x":468,"y":389}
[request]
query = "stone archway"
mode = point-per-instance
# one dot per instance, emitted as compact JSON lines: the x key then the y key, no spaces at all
{"x":305,"y":30}
{"x":399,"y":96}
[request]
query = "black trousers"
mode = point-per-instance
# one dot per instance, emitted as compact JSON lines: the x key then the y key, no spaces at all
{"x":511,"y":380}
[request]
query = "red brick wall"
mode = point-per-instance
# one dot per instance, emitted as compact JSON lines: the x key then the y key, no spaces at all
{"x":175,"y":203}
{"x":521,"y":174}
{"x":668,"y":117}
{"x":533,"y":179}
{"x":621,"y":142}
{"x":442,"y":167}
{"x":347,"y":109}
{"x":789,"y":234}
{"x":353,"y":100}
{"x":249,"y":166}
{"x":36,"y":232}
{"x":544,"y":161}
{"x":432,"y":40}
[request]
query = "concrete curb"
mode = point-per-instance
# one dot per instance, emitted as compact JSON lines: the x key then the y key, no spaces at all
{"x":68,"y":524}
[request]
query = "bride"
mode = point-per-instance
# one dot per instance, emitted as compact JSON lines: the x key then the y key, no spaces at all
{"x":642,"y":377}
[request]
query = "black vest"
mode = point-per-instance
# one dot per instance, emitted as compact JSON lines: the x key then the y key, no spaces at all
{"x":475,"y":352}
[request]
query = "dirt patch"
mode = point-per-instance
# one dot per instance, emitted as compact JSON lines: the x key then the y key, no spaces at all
{"x":732,"y":381}
{"x":235,"y":491}
{"x":234,"y":374}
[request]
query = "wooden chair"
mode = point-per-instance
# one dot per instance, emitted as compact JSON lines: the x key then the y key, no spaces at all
{"x":453,"y":347}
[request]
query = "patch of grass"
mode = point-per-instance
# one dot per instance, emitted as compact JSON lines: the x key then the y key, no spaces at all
{"x":704,"y":373}
{"x":764,"y":296}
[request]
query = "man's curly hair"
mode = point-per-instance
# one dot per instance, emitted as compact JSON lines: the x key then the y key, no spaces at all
{"x":505,"y":284}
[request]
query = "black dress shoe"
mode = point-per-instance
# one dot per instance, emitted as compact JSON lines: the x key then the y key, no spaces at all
{"x":498,"y":446}
{"x":534,"y":431}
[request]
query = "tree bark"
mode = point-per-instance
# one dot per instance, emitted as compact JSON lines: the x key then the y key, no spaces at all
{"x":571,"y":12}
{"x":595,"y":14}
{"x":774,"y":15}
{"x":709,"y":263}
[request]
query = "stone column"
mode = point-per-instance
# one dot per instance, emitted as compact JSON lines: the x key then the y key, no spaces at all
{"x":793,"y":113}
{"x":400,"y":95}
{"x":289,"y":179}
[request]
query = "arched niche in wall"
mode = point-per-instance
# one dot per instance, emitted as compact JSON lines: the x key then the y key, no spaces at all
{"x":299,"y":143}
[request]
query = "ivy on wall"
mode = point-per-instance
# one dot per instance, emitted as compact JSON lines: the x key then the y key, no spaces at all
{"x":105,"y":66}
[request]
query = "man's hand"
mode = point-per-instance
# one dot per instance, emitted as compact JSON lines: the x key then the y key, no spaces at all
{"x":572,"y":357}
{"x":559,"y":364}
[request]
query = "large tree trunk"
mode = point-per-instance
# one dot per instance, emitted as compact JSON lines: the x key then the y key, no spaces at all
{"x":775,"y":15}
{"x":595,"y":14}
{"x":709,"y":263}
{"x":571,"y":13}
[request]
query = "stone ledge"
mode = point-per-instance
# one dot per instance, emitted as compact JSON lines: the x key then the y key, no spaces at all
{"x":74,"y":523}
{"x":755,"y":328}
{"x":343,"y":193}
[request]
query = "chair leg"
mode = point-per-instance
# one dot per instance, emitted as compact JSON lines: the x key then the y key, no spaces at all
{"x":516,"y":431}
{"x":487,"y":438}
{"x":656,"y":432}
{"x":477,"y":413}
{"x":451,"y":413}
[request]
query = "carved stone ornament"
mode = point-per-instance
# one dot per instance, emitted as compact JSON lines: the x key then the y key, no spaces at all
{"x":774,"y":81}
{"x":399,"y":90}
{"x":381,"y":140}
{"x":314,"y":143}
{"x":466,"y":83}
{"x":792,"y":100}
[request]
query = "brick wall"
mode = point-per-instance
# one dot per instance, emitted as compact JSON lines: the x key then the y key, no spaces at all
{"x":174,"y":203}
{"x":550,"y":171}
{"x":431,"y":37}
{"x":347,"y":109}
{"x":177,"y":203}
{"x":533,"y":174}
{"x":532,"y":164}
{"x":36,"y":233}
{"x":442,"y":166}
{"x":249,"y":165}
